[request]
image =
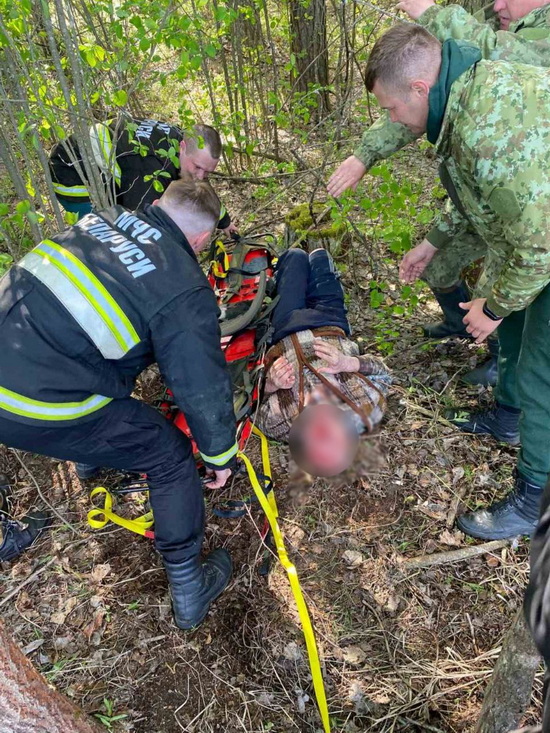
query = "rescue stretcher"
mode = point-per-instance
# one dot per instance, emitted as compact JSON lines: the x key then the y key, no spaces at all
{"x":241,"y":274}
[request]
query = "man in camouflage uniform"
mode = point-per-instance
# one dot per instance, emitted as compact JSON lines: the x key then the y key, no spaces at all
{"x":490,"y":126}
{"x":513,"y":30}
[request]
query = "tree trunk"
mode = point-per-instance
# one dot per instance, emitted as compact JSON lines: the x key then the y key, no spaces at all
{"x":308,"y":25}
{"x":28,"y":704}
{"x":509,"y":690}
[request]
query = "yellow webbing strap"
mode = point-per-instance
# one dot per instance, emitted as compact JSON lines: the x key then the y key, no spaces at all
{"x":99,"y":517}
{"x":269,"y":506}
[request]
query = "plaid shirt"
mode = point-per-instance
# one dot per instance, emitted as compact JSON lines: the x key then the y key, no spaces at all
{"x":279,"y":410}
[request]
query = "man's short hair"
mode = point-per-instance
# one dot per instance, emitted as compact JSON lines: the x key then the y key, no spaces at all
{"x":404,"y":52}
{"x":196,"y":200}
{"x":204,"y":135}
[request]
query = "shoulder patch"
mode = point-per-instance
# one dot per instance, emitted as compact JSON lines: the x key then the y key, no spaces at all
{"x":504,"y":203}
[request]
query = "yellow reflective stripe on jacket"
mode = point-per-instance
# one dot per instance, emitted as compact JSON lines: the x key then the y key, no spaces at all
{"x":80,"y":191}
{"x":20,"y":405}
{"x":222,"y":458}
{"x":102,"y":147}
{"x":84,"y":296}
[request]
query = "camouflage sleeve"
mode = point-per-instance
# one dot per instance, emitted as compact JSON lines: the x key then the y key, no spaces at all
{"x":448,"y":223}
{"x":452,"y":21}
{"x":527,"y":270}
{"x":382,"y":140}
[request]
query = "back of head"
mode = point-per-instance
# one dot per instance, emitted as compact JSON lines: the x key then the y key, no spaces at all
{"x":193,"y":205}
{"x":404,"y":54}
{"x":204,"y":136}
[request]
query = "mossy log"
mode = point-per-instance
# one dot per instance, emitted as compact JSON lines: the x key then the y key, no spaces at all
{"x":310,"y":226}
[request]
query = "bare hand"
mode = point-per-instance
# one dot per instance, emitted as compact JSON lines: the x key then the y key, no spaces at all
{"x":414,"y":8}
{"x":477,"y":323}
{"x":281,"y":375}
{"x":415,"y":261}
{"x":347,"y":175}
{"x":336,"y":360}
{"x":231,"y":229}
{"x":218,"y":478}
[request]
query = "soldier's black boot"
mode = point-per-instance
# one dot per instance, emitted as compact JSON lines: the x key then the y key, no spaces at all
{"x":499,"y":421}
{"x":85,"y":471}
{"x":515,"y":515}
{"x":451,"y":325}
{"x":195,"y":583}
{"x":485,"y":374}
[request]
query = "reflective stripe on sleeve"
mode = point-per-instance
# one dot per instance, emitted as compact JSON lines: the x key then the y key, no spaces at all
{"x":80,"y":191}
{"x":102,"y":148}
{"x":84,"y":296}
{"x":27,"y":407}
{"x":222,"y":458}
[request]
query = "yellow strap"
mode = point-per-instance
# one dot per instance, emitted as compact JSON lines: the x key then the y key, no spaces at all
{"x":269,"y":507}
{"x":98,"y":518}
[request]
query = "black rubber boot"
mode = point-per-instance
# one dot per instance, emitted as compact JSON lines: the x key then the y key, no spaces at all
{"x":515,"y":515}
{"x":451,"y":325}
{"x":194,"y":584}
{"x":85,"y":471}
{"x":485,"y":374}
{"x":500,"y":422}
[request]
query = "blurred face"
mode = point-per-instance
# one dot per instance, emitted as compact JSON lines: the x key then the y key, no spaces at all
{"x":196,"y":162}
{"x":410,"y":109}
{"x":512,"y":10}
{"x":327,"y":438}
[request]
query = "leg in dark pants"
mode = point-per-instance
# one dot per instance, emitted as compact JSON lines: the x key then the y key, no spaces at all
{"x":132,"y":436}
{"x":310,"y":294}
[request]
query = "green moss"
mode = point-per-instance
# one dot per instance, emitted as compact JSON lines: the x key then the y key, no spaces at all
{"x":299,"y":219}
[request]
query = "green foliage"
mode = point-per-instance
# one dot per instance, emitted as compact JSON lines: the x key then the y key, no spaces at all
{"x":108,"y":717}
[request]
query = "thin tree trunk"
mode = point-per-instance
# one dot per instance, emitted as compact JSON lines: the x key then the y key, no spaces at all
{"x":309,"y":44}
{"x":28,"y":704}
{"x":509,"y":691}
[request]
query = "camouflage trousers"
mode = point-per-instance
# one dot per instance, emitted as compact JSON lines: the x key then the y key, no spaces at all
{"x":446,"y":268}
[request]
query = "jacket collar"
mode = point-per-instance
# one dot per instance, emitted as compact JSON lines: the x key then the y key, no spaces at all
{"x":456,"y":58}
{"x":534,"y":19}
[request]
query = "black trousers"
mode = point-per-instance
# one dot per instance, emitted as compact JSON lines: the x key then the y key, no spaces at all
{"x":130,"y":435}
{"x":537,"y":596}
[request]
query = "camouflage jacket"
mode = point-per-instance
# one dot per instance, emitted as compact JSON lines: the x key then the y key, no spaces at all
{"x":494,"y":142}
{"x":527,"y":41}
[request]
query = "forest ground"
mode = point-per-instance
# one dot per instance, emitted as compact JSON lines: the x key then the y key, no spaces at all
{"x":402,"y":649}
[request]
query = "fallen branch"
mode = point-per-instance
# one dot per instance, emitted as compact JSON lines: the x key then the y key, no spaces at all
{"x":37,"y":572}
{"x":465,"y":553}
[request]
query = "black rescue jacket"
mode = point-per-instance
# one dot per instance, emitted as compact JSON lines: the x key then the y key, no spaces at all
{"x":84,"y":312}
{"x":146,"y":160}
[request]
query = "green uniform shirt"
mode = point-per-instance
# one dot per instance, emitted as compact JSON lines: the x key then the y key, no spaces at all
{"x":494,"y":142}
{"x":527,"y":41}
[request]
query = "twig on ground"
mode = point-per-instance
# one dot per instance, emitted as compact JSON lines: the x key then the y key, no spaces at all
{"x":465,"y":553}
{"x":41,"y":495}
{"x":37,"y":572}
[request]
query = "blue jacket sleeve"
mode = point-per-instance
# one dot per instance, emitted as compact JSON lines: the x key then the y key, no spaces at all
{"x":186,"y":341}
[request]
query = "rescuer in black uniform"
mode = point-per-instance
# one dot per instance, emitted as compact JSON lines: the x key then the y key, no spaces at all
{"x":82,"y":315}
{"x":148,"y":155}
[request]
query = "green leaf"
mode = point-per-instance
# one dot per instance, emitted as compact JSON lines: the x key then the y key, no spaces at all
{"x":4,"y":209}
{"x":120,"y":98}
{"x":157,"y":185}
{"x":23,"y":206}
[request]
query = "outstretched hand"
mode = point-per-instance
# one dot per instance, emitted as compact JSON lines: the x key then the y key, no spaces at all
{"x":336,"y":360}
{"x":414,"y":8}
{"x":347,"y":175}
{"x":415,"y":261}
